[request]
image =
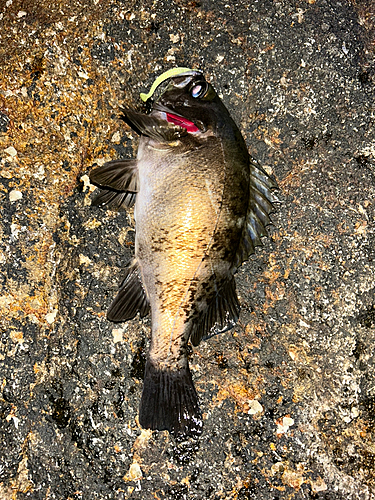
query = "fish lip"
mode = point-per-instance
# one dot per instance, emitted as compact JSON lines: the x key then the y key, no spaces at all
{"x":164,"y":109}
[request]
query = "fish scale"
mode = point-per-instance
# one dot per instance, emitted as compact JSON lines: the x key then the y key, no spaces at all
{"x":184,"y":221}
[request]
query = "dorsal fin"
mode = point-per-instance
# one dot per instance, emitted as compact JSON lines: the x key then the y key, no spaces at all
{"x":260,"y":206}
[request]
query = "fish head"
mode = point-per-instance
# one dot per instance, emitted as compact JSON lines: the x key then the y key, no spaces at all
{"x":192,"y":103}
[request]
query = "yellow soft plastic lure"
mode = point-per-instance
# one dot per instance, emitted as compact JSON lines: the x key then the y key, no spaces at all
{"x":170,"y":73}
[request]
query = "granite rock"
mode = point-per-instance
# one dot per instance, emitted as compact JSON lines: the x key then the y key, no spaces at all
{"x":288,"y":395}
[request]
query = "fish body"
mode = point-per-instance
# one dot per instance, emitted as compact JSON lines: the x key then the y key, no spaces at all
{"x":201,"y":205}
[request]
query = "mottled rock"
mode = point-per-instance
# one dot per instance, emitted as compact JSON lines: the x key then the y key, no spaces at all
{"x":287,"y":396}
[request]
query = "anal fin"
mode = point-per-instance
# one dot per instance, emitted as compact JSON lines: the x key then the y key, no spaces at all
{"x":131,"y":297}
{"x":221,"y":314}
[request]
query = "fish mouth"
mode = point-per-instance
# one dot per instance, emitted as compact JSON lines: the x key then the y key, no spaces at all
{"x":177,"y":119}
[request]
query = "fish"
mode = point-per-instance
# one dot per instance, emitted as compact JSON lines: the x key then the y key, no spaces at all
{"x":202,"y":205}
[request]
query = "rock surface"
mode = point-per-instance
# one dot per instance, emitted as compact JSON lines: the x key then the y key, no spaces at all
{"x":288,"y":395}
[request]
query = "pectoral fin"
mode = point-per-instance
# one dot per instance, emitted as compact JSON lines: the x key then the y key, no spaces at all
{"x":121,"y":175}
{"x":131,"y":298}
{"x":221,"y":314}
{"x":151,"y":126}
{"x":114,"y":199}
{"x":120,"y":181}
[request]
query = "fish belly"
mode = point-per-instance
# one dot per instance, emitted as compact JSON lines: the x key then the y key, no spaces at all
{"x":176,"y":216}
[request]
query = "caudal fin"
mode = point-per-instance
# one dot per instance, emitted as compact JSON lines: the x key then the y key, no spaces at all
{"x":169,"y":402}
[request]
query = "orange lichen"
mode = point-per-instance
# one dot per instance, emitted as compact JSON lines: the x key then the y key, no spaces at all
{"x":240,"y":390}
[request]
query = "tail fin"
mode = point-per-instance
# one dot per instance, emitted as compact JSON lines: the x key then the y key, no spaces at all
{"x":169,"y":402}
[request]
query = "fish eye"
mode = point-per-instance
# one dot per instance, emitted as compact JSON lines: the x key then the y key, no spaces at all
{"x":199,"y":89}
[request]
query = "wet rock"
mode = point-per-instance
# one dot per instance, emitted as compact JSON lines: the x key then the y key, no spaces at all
{"x":287,"y":395}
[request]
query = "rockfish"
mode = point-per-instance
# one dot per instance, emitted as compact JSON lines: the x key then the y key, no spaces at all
{"x":201,"y":206}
